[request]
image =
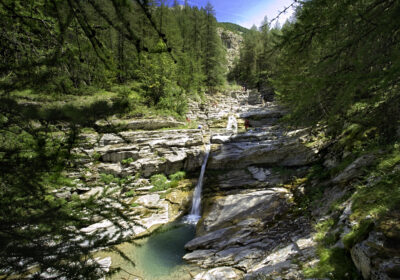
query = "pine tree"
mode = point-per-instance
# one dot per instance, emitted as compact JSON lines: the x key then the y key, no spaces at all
{"x":339,"y":62}
{"x":213,"y":54}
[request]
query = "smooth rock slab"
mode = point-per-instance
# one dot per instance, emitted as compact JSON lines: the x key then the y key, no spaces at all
{"x":149,"y":200}
{"x":220,"y":273}
{"x":110,"y":139}
{"x":263,"y":205}
{"x":198,"y":255}
{"x":207,"y":240}
{"x":278,"y":261}
{"x":289,"y":152}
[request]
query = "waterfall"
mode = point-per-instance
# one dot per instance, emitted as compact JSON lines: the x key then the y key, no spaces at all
{"x":194,"y":215}
{"x":232,"y":124}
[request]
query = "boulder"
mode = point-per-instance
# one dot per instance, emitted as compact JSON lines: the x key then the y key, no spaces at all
{"x":110,"y":139}
{"x":354,"y":169}
{"x":371,"y":257}
{"x":280,"y":260}
{"x":231,"y":209}
{"x":151,"y":152}
{"x":220,"y":273}
{"x":110,"y":168}
{"x":284,"y":152}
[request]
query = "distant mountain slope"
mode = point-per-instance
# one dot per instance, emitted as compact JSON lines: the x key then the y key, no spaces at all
{"x":233,"y":27}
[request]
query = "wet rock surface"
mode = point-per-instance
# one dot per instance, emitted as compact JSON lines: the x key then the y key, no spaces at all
{"x":247,"y":221}
{"x":248,"y":227}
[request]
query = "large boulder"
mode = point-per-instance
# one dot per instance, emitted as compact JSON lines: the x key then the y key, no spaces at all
{"x":263,"y":205}
{"x":354,"y":170}
{"x":371,"y":257}
{"x":220,"y":273}
{"x":151,"y":152}
{"x":238,"y":230}
{"x":283,"y":152}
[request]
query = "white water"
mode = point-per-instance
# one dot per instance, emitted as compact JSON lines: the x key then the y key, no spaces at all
{"x":194,"y":215}
{"x":232,"y":124}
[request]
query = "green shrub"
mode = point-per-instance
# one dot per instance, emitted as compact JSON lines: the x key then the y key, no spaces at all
{"x":173,"y":184}
{"x":108,"y":178}
{"x":160,"y":182}
{"x":130,"y":193}
{"x":127,"y":161}
{"x":180,"y":175}
{"x":96,"y":156}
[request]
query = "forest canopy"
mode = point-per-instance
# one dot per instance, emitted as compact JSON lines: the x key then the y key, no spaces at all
{"x":65,"y":46}
{"x":64,"y":64}
{"x":335,"y":62}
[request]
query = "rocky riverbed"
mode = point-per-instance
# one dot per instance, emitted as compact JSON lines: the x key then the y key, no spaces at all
{"x":250,"y":225}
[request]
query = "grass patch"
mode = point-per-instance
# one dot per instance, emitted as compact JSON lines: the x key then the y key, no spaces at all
{"x":358,"y":233}
{"x":390,"y":160}
{"x":377,"y":199}
{"x":334,"y":263}
{"x":90,"y":105}
{"x":322,"y":236}
{"x":161,"y":183}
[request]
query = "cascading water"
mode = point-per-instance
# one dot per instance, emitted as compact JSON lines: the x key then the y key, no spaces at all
{"x":232,"y":124}
{"x":194,"y":215}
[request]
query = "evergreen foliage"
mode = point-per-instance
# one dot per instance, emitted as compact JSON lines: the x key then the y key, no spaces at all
{"x":335,"y":62}
{"x":40,"y":232}
{"x":257,"y":62}
{"x":233,"y":27}
{"x":67,"y":46}
{"x":60,"y":51}
{"x":339,"y":62}
{"x":213,"y":55}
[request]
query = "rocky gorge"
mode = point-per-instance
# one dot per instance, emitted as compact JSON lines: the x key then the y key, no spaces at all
{"x":269,"y":209}
{"x":241,"y":171}
{"x":253,"y":224}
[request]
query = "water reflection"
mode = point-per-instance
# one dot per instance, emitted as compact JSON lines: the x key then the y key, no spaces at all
{"x":156,"y":257}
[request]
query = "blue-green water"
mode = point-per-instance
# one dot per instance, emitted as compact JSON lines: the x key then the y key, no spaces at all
{"x":162,"y":253}
{"x":156,"y":257}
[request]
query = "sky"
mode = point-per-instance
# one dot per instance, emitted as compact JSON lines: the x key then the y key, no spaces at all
{"x":246,"y":12}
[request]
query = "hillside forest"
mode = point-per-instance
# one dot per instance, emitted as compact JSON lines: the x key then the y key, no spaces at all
{"x":65,"y":64}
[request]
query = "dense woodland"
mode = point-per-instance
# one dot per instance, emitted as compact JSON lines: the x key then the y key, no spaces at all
{"x":68,"y":47}
{"x":336,"y":67}
{"x":65,"y":64}
{"x":336,"y":64}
